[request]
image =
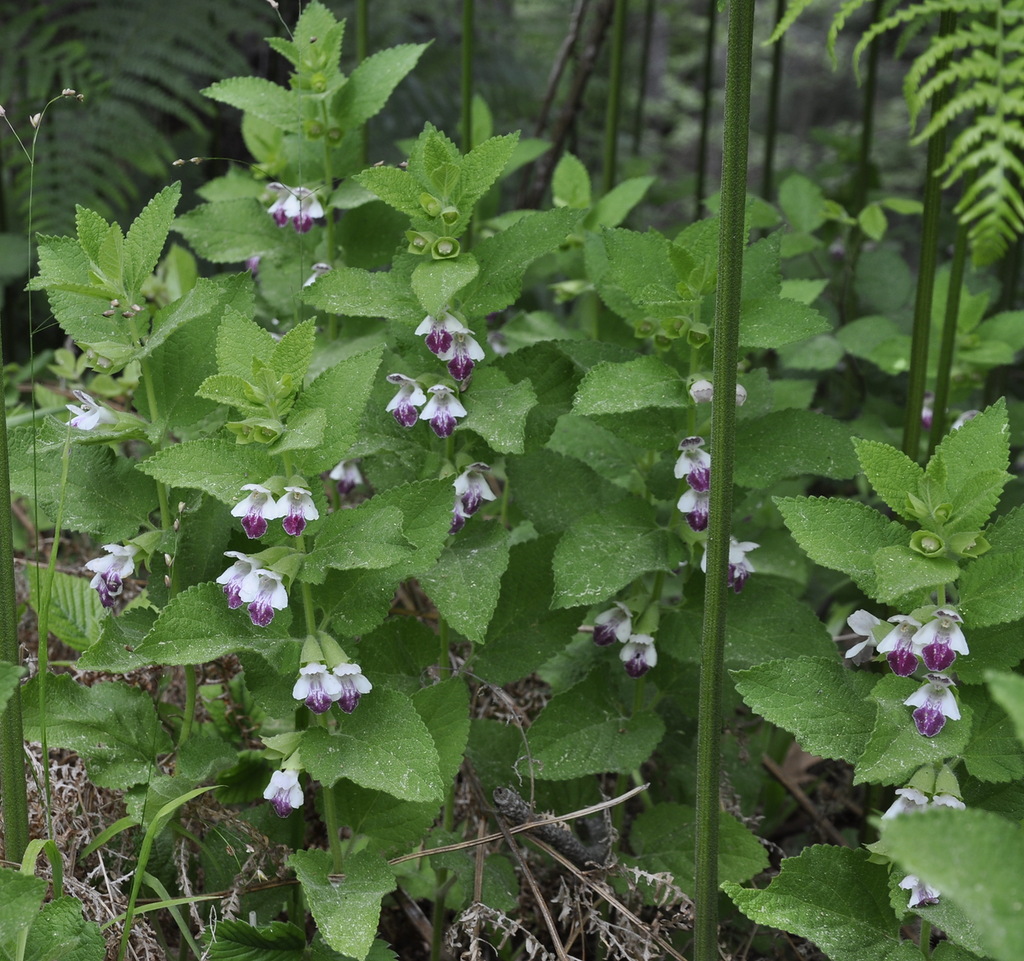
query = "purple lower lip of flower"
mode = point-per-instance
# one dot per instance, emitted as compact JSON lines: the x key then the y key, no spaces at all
{"x":442,"y":423}
{"x":604,"y":634}
{"x":738,"y":575}
{"x":938,"y":656}
{"x":349,"y":699}
{"x":254,"y":524}
{"x":318,"y":700}
{"x":106,"y":599}
{"x":232,"y":589}
{"x":294,"y":523}
{"x":929,"y":720}
{"x":439,"y":340}
{"x":902,"y":661}
{"x":637,"y":665}
{"x":698,"y":519}
{"x":406,"y":415}
{"x":699,"y":479}
{"x":260,"y":611}
{"x":460,"y":366}
{"x":458,"y":521}
{"x":302,"y":223}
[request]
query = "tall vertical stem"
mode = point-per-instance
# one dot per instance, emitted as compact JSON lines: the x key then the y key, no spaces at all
{"x":467,"y":75}
{"x":707,"y":78}
{"x":13,"y":798}
{"x":611,"y":118}
{"x":644,"y":75}
{"x":362,"y":50}
{"x":774,"y":86}
{"x":731,"y":243}
{"x":867,"y":126}
{"x":926,"y":274}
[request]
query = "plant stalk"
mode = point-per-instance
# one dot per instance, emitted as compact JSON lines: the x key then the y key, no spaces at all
{"x":644,"y":74}
{"x":731,"y":245}
{"x":707,"y":79}
{"x":611,"y":119}
{"x":774,"y":88}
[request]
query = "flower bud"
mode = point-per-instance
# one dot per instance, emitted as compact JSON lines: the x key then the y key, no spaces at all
{"x":445,"y":248}
{"x":431,"y":205}
{"x":450,"y":214}
{"x":927,"y":543}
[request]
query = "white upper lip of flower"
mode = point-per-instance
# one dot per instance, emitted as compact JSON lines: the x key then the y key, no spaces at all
{"x":90,"y":414}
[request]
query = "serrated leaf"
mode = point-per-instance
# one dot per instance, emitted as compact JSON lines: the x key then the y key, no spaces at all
{"x":481,"y":167}
{"x":395,"y":187}
{"x":992,"y":589}
{"x":353,"y":292}
{"x":238,"y":941}
{"x":230,"y":231}
{"x":818,"y":700}
{"x":977,"y":866}
{"x":603,"y":552}
{"x":75,"y":611}
{"x":1008,"y":691}
{"x":835,"y":897}
{"x":383,"y":745}
{"x":372,"y":82}
{"x":464,"y":583}
{"x":369,"y":536}
{"x":645,"y":382}
{"x":60,"y":931}
{"x":570,"y":183}
{"x":902,"y":572}
{"x":293,"y":352}
{"x":615,"y":206}
{"x":993,"y":753}
{"x":77,"y":717}
{"x":583,"y":732}
{"x":22,"y":897}
{"x":787,"y":443}
{"x":892,"y":474}
{"x":895,"y":749}
{"x":147,"y":236}
{"x":262,"y":98}
{"x":346,"y":907}
{"x":497,"y":410}
{"x":633,"y":273}
{"x":842,"y":535}
{"x":436,"y":282}
{"x":218,"y":467}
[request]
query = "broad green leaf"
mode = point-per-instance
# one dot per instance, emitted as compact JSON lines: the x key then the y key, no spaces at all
{"x":663,"y":839}
{"x":236,"y":941}
{"x":523,"y":631}
{"x":147,"y":236}
{"x":787,"y":443}
{"x":611,"y":388}
{"x":264,"y":99}
{"x":903,"y":572}
{"x":60,"y":931}
{"x":22,"y":898}
{"x":240,"y":343}
{"x":570,"y":183}
{"x":584,"y":732}
{"x":997,"y":647}
{"x":892,"y":474}
{"x":346,"y":907}
{"x":230,"y":231}
{"x":603,"y":552}
{"x":119,"y":754}
{"x":803,"y":203}
{"x":368,"y":536}
{"x":504,"y":258}
{"x":395,"y":187}
{"x":75,"y":611}
{"x":993,"y":753}
{"x":218,"y":467}
{"x":383,"y":745}
{"x":465,"y":582}
{"x":879,"y":340}
{"x":615,"y":206}
{"x":444,"y":708}
{"x":436,"y":282}
{"x":343,"y":391}
{"x":895,"y":749}
{"x":1008,"y":692}
{"x":372,"y":82}
{"x":976,"y":865}
{"x":10,"y":675}
{"x":497,"y":409}
{"x":293,"y":352}
{"x":992,"y":589}
{"x":842,"y":535}
{"x":825,"y":705}
{"x":481,"y":167}
{"x":836,"y":898}
{"x":352,"y":292}
{"x":634,"y":274}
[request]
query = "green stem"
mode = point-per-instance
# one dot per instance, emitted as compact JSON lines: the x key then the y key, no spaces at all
{"x":332,"y":822}
{"x":929,"y":258}
{"x":867,"y":129}
{"x":926,"y":938}
{"x":611,"y":120}
{"x":466,"y":79}
{"x":731,"y":244}
{"x":362,"y":50}
{"x":774,"y":87}
{"x":13,"y":797}
{"x":643,"y":73}
{"x":447,"y":819}
{"x":707,"y":87}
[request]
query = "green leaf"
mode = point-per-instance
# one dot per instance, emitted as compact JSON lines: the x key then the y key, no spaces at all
{"x":570,"y":183}
{"x":497,"y":410}
{"x":233,"y":939}
{"x":395,"y":187}
{"x":353,"y":292}
{"x":368,"y":536}
{"x":663,"y":839}
{"x":436,"y":282}
{"x":464,"y":583}
{"x":992,"y":589}
{"x":480,"y":168}
{"x":615,"y":206}
{"x":372,"y":82}
{"x":879,"y":340}
{"x":612,"y":388}
{"x":10,"y":676}
{"x":293,"y":352}
{"x":803,"y":203}
{"x":218,"y":467}
{"x":148,"y":234}
{"x":835,"y":897}
{"x":117,"y":754}
{"x":892,"y":474}
{"x":260,"y":97}
{"x":524,"y":632}
{"x":60,"y":931}
{"x":230,"y":231}
{"x":504,"y":257}
{"x":584,"y":732}
{"x":383,"y":745}
{"x":22,"y":898}
{"x":634,"y":274}
{"x":903,"y":572}
{"x":976,"y":865}
{"x":75,"y":611}
{"x":603,"y":552}
{"x":787,"y":443}
{"x":895,"y":749}
{"x":444,"y":708}
{"x":343,"y":391}
{"x":818,"y":700}
{"x":842,"y":535}
{"x":346,"y":907}
{"x":1008,"y":692}
{"x":993,"y":753}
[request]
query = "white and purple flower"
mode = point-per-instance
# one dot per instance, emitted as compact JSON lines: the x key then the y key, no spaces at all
{"x":318,"y":687}
{"x":255,"y":509}
{"x":939,"y":641}
{"x":462,"y":354}
{"x":264,"y":592}
{"x":347,"y":475}
{"x":442,"y":410}
{"x":614,"y":624}
{"x":296,"y":507}
{"x":863,"y":623}
{"x":439,"y":331}
{"x":353,"y":684}
{"x":284,"y":793}
{"x":740,"y":567}
{"x":90,"y":414}
{"x":638,"y":654}
{"x":109,"y":572}
{"x":935,"y":704}
{"x":694,"y":463}
{"x":404,"y":404}
{"x":472,"y":489}
{"x":233,"y":577}
{"x":898,"y":646}
{"x":920,"y":893}
{"x":695,"y":505}
{"x":908,"y":801}
{"x":319,"y":269}
{"x":297,"y":204}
